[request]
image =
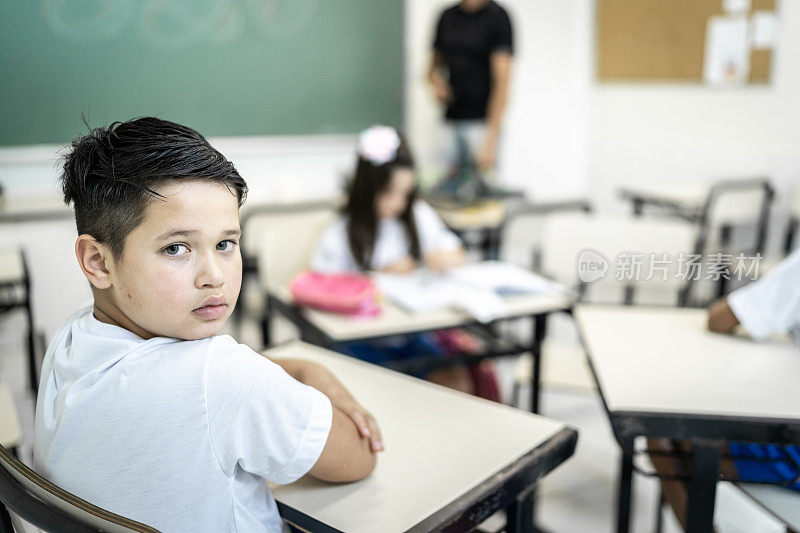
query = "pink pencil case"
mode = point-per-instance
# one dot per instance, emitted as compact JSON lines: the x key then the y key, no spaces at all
{"x":347,"y":294}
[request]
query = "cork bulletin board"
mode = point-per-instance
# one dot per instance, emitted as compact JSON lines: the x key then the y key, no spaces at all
{"x":666,"y":40}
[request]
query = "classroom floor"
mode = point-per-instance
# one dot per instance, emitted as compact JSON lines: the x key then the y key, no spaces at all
{"x":579,"y":496}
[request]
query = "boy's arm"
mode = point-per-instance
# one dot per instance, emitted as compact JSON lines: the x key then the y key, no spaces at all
{"x":721,"y":318}
{"x":354,"y":437}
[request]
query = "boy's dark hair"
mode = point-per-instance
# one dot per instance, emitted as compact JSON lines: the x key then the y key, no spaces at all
{"x":369,"y":181}
{"x":110,"y":174}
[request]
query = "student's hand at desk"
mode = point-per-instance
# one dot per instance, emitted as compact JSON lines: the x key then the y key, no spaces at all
{"x":444,"y":260}
{"x":721,"y":318}
{"x":364,"y":421}
{"x":403,"y":266}
{"x":322,"y":379}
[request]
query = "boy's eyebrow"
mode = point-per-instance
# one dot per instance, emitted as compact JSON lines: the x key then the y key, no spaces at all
{"x":192,"y":232}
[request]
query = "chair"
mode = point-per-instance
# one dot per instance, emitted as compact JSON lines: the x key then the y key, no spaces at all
{"x":521,"y":232}
{"x":794,"y":221}
{"x":561,"y":240}
{"x":15,"y":293}
{"x":10,"y":430}
{"x":49,"y":507}
{"x":716,"y":211}
{"x":277,"y":243}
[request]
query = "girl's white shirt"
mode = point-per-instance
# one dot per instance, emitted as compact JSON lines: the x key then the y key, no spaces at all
{"x":333,"y":253}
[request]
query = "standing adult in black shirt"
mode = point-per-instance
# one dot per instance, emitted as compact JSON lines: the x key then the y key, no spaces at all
{"x":470,"y":72}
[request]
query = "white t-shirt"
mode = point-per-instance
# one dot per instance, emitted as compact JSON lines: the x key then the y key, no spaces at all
{"x":771,"y":304}
{"x":391,"y":243}
{"x":179,"y":435}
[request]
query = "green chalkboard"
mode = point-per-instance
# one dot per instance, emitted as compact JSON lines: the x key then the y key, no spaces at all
{"x":224,"y":67}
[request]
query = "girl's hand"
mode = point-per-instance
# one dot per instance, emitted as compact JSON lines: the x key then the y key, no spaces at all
{"x":443,"y":260}
{"x":403,"y":266}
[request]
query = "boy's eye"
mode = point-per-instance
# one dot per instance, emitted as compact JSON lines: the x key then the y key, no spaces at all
{"x":175,"y":249}
{"x":225,"y":246}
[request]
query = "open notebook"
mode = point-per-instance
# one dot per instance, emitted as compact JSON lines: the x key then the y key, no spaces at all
{"x":476,"y":289}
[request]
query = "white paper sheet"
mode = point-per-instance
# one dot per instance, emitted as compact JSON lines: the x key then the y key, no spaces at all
{"x":475,"y":289}
{"x":505,"y":278}
{"x":764,"y":29}
{"x":727,"y":54}
{"x":736,"y":6}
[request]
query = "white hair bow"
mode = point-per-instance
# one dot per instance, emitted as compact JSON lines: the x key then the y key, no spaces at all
{"x":378,"y":144}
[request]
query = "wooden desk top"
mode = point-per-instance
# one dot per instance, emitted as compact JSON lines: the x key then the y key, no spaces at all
{"x":395,"y":320}
{"x":440,"y":446}
{"x":664,"y":360}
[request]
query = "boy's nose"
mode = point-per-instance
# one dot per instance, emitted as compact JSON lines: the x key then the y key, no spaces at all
{"x":211,"y":274}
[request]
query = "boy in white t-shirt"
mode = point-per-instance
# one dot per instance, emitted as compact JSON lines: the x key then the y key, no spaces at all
{"x":144,"y":409}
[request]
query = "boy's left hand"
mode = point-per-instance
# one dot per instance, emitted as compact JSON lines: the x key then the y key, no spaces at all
{"x":364,"y":421}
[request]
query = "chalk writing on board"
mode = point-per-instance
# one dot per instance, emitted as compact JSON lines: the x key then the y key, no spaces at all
{"x":177,"y":24}
{"x":282,"y":19}
{"x":180,"y":24}
{"x":88,"y":20}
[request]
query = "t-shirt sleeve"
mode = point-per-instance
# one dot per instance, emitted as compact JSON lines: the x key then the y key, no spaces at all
{"x":259,"y":417}
{"x":770,"y":305}
{"x":433,"y":234}
{"x":502,"y":36}
{"x":437,"y":36}
{"x":332,"y":253}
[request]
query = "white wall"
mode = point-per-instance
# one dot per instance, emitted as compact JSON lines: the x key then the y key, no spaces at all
{"x":544,"y":149}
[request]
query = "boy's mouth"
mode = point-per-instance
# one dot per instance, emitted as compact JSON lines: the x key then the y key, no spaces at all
{"x":213,"y":307}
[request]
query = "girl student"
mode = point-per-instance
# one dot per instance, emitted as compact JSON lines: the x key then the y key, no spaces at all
{"x":384,"y":227}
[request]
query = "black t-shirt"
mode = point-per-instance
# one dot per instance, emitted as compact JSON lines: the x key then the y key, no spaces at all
{"x":466,"y":42}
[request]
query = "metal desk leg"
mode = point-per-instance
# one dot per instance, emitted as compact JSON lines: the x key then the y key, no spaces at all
{"x":625,"y":485}
{"x":539,"y":331}
{"x":638,"y":206}
{"x":519,"y":515}
{"x":703,"y":486}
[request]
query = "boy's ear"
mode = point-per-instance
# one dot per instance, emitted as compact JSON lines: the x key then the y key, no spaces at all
{"x":93,"y":258}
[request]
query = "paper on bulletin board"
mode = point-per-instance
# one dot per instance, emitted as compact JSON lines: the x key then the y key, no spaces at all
{"x":736,"y":6}
{"x":764,"y":29}
{"x":727,"y":54}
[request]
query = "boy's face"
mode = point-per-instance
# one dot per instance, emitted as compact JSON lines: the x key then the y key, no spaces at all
{"x":181,"y":269}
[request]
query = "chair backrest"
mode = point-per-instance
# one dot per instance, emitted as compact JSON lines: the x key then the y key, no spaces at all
{"x":51,"y":508}
{"x":575,"y":246}
{"x":794,"y":203}
{"x":521,"y":233}
{"x":738,"y":202}
{"x":12,"y":267}
{"x":282,"y":238}
{"x":10,"y":429}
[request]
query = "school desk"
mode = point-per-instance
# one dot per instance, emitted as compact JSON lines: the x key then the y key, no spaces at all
{"x":662,"y":374}
{"x":330,"y":330}
{"x":451,"y":459}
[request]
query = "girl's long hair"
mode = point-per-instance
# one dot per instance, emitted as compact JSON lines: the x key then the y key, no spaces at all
{"x":361,"y":210}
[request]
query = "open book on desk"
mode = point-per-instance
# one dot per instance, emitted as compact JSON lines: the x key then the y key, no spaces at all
{"x":476,"y":289}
